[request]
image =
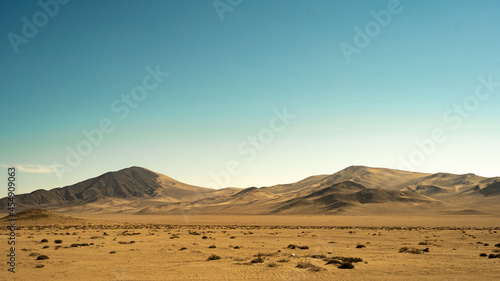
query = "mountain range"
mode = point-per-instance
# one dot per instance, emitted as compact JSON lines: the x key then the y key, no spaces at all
{"x":353,"y":190}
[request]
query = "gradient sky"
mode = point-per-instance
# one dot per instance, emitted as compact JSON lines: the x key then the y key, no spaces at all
{"x":228,"y":77}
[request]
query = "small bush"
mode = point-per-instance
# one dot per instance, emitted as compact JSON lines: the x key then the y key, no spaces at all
{"x":483,"y":255}
{"x":309,"y":265}
{"x":272,"y":264}
{"x":236,"y":247}
{"x":112,"y":252}
{"x":39,"y":265}
{"x":340,"y":260}
{"x":58,"y":241}
{"x":346,"y":265}
{"x":293,"y":246}
{"x":42,"y":257}
{"x":305,"y":264}
{"x":264,"y":254}
{"x":44,"y":241}
{"x":359,"y":246}
{"x":494,"y":256}
{"x":497,"y":245}
{"x":213,"y":257}
{"x":258,"y":259}
{"x":212,"y":247}
{"x":333,"y":261}
{"x":316,"y":268}
{"x":182,"y":249}
{"x":410,"y":250}
{"x":204,"y":237}
{"x":45,"y":247}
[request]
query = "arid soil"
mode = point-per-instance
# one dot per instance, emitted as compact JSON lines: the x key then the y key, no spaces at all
{"x":256,"y":248}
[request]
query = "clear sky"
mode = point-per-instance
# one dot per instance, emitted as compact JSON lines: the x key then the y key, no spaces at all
{"x":257,"y":92}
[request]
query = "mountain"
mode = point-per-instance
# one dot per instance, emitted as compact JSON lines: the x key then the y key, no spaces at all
{"x":354,"y":187}
{"x":348,"y":194}
{"x":141,"y":191}
{"x":119,"y":191}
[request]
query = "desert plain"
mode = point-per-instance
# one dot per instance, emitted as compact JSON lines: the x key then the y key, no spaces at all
{"x":52,"y":246}
{"x":360,"y":223}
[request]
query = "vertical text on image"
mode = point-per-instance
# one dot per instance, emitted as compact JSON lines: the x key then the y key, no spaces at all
{"x":11,"y":187}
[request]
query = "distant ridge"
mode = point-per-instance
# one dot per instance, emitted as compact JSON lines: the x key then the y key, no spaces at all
{"x":42,"y":216}
{"x":141,"y":191}
{"x":352,"y":187}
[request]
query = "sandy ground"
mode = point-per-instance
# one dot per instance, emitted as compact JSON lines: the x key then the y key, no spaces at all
{"x":430,"y":219}
{"x":178,"y":248}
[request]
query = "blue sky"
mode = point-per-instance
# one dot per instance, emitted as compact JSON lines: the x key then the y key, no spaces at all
{"x":227,"y":77}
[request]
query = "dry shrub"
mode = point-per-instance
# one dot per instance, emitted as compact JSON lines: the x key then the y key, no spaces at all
{"x":213,"y":257}
{"x":411,"y":250}
{"x":346,"y":265}
{"x":42,"y":257}
{"x":258,"y":259}
{"x":272,"y":264}
{"x":340,"y":260}
{"x":310,"y":266}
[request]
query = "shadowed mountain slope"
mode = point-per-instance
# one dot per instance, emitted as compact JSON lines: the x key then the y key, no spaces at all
{"x":135,"y":185}
{"x":138,"y":190}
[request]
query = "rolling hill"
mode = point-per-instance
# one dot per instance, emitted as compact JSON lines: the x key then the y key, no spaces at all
{"x":40,"y":216}
{"x":141,"y":191}
{"x":351,"y":188}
